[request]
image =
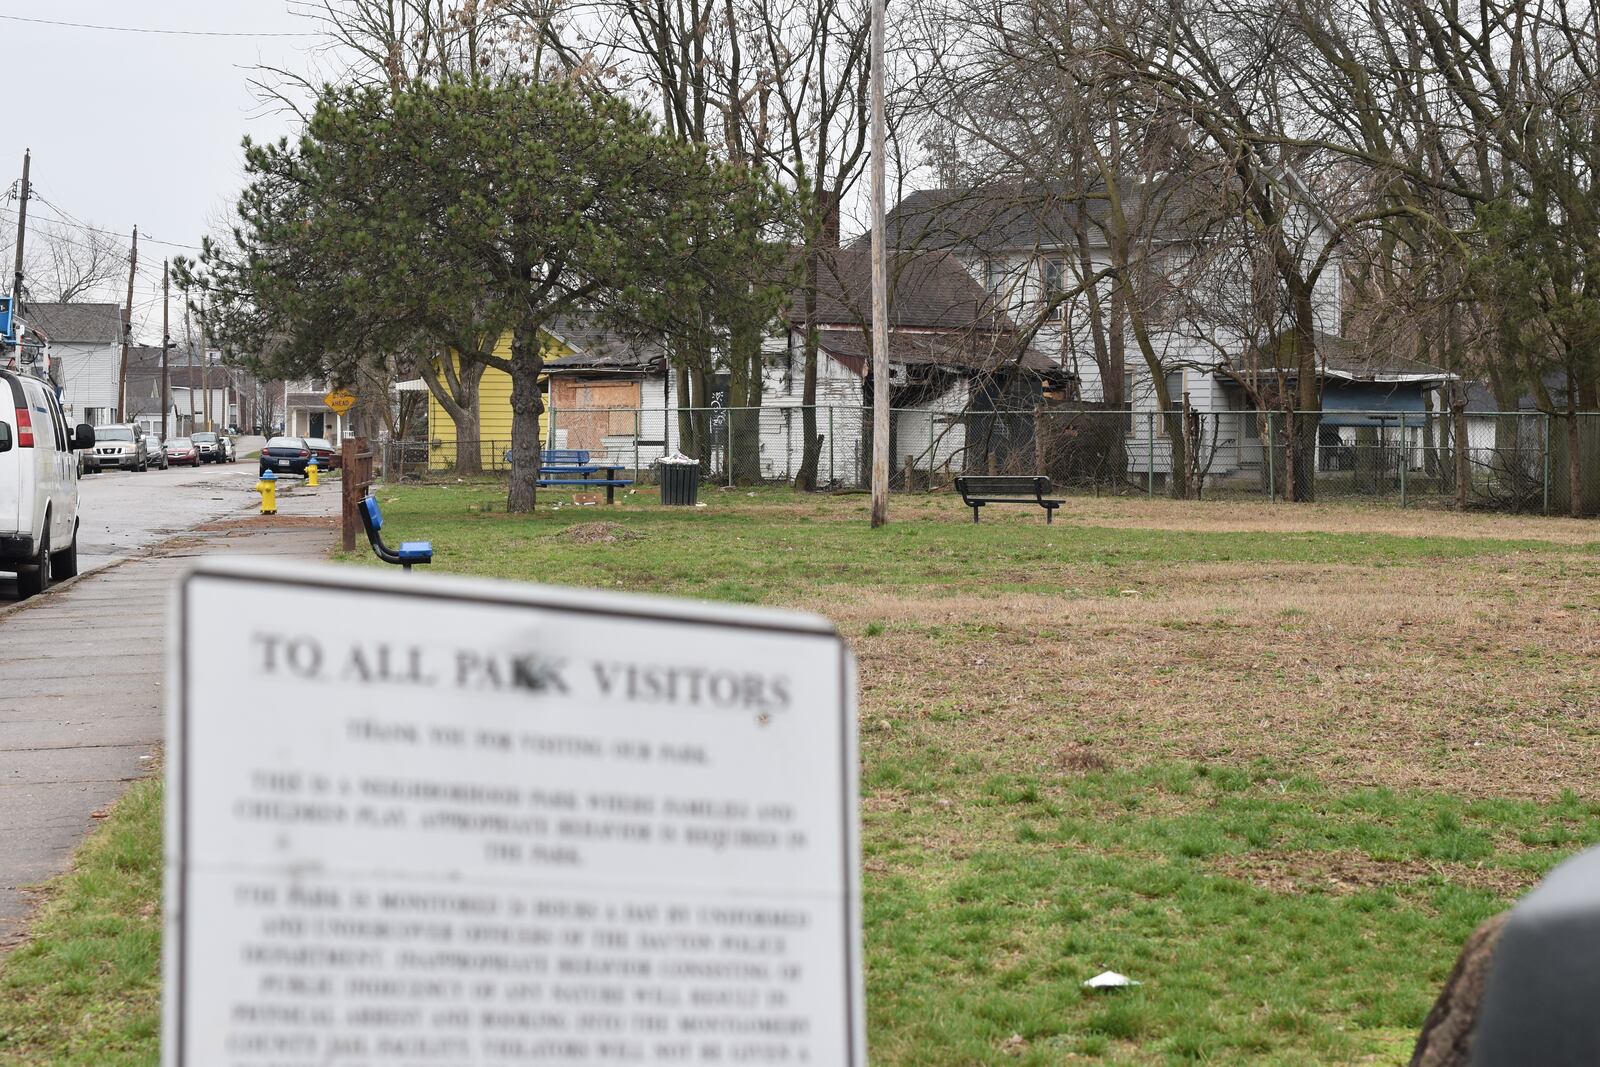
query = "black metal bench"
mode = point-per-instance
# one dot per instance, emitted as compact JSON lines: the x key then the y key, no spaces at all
{"x":409,"y":552}
{"x":979,"y":490}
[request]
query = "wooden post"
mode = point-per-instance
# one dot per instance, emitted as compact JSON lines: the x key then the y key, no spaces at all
{"x":880,"y":288}
{"x":356,"y":462}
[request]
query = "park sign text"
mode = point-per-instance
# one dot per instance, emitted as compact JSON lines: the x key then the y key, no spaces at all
{"x":428,"y":822}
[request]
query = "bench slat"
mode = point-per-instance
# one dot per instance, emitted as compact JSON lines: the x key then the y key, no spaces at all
{"x":1008,"y":484}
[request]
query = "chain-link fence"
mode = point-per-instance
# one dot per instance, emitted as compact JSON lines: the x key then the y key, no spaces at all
{"x":1525,"y":461}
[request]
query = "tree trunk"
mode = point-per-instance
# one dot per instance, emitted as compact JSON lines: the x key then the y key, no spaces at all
{"x":1574,"y":463}
{"x":811,"y":449}
{"x":1307,"y":420}
{"x":454,"y":384}
{"x":527,"y":365}
{"x":743,"y":425}
{"x":1177,"y":450}
{"x":1458,"y":422}
{"x":688,"y":441}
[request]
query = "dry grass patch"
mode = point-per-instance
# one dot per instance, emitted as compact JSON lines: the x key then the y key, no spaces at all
{"x":1479,"y":679}
{"x":1219,"y":516}
{"x":599,"y":533}
{"x":1343,"y":873}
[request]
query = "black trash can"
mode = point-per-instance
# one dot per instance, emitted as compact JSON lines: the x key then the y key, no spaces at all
{"x":680,"y":482}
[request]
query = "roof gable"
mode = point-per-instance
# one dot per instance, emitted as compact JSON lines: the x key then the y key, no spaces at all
{"x":76,"y":323}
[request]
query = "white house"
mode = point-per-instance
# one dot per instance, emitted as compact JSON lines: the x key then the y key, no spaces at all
{"x":1029,"y":246}
{"x":950,"y":354}
{"x":86,"y":352}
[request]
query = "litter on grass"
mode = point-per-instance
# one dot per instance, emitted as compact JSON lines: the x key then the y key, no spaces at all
{"x":1110,"y":980}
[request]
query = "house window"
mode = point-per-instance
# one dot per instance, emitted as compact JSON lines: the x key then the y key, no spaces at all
{"x":1174,"y":399}
{"x":994,"y":275}
{"x":1055,"y":285}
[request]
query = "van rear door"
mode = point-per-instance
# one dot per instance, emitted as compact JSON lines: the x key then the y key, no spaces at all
{"x":15,"y":464}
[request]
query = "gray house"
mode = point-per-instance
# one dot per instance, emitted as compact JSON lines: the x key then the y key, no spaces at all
{"x":85,"y":353}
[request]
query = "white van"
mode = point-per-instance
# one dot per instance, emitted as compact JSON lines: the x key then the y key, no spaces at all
{"x":38,"y":483}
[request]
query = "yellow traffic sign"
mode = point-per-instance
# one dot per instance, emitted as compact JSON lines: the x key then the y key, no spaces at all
{"x":340,"y":400}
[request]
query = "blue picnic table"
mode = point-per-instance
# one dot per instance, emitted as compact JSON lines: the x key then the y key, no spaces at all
{"x":567,"y":467}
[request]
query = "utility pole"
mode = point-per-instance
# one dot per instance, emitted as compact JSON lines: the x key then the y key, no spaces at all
{"x":188,"y":347}
{"x":22,"y":235}
{"x":166,"y":348}
{"x":127,"y":332}
{"x":880,"y":289}
{"x":205,"y":370}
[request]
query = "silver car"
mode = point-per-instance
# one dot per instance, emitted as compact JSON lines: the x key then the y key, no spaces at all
{"x":121,"y":446}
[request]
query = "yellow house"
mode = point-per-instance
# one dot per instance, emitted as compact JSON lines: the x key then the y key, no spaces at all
{"x":494,"y":412}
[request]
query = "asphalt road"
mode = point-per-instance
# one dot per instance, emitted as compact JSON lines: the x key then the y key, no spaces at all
{"x":122,"y":513}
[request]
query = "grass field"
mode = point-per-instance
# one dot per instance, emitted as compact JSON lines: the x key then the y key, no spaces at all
{"x":1274,"y":762}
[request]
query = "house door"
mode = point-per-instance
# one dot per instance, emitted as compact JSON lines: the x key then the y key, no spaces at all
{"x":316,"y":422}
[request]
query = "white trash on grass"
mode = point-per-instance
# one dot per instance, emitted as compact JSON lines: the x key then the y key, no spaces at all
{"x":1110,"y":980}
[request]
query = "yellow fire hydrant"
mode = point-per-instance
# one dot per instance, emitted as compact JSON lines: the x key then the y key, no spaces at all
{"x":311,"y":472}
{"x":268,"y":488}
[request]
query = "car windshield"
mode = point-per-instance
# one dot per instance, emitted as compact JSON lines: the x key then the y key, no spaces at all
{"x":113,"y":433}
{"x":178,"y":442}
{"x":286,"y":442}
{"x":205,"y":438}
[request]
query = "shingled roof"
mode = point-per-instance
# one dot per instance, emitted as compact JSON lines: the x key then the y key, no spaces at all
{"x":1005,"y":217}
{"x":938,"y":315}
{"x":596,"y":348}
{"x":76,"y":323}
{"x":927,"y":290}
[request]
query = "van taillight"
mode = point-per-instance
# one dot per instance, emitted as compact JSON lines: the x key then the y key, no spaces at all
{"x":24,"y":428}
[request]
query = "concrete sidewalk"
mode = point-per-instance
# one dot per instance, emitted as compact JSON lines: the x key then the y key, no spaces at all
{"x":82,"y":706}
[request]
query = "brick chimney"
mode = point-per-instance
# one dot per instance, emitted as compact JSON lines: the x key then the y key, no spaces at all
{"x":830,"y":219}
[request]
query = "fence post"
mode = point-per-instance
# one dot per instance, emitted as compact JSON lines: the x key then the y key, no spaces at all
{"x":1272,"y":458}
{"x":1150,"y":455}
{"x":1546,"y":420}
{"x":638,"y":426}
{"x":831,"y":467}
{"x":1405,"y":460}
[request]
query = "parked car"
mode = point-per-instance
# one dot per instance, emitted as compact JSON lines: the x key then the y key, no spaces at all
{"x":210,"y":448}
{"x":121,"y":445}
{"x":182,"y":450}
{"x":229,"y":453}
{"x":328,"y":457}
{"x":286,"y":455}
{"x":156,"y":449}
{"x":38,"y":483}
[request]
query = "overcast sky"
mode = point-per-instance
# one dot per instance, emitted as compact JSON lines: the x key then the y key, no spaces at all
{"x":142,"y":128}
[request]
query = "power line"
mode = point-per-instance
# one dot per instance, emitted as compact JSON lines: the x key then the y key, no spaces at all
{"x":100,"y":229}
{"x":148,"y":29}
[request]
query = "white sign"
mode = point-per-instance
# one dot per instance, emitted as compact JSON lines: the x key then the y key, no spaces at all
{"x":416,"y":822}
